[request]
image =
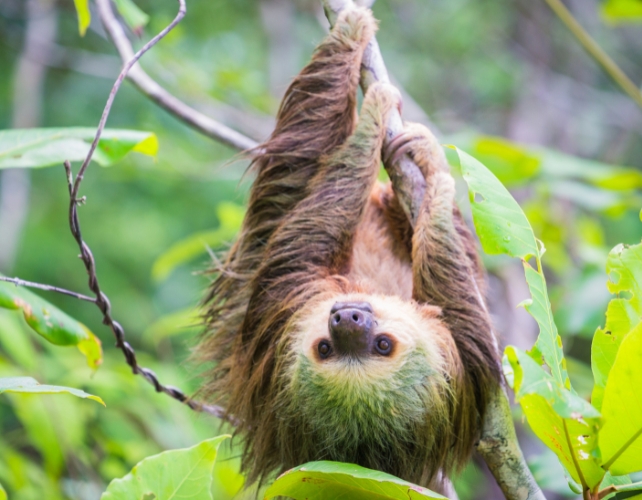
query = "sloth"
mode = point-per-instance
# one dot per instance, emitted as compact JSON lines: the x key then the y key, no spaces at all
{"x":334,"y":329}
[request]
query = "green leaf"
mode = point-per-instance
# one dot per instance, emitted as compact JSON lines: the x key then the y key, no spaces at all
{"x":135,"y":18}
{"x":624,"y":313}
{"x":25,"y":385}
{"x":171,"y":475}
{"x":510,"y":162}
{"x":323,"y":480}
{"x":622,"y":10}
{"x":620,"y":439}
{"x":84,"y":17}
{"x":3,"y":494}
{"x":230,"y":217}
{"x":51,"y":323}
{"x":502,"y":227}
{"x":43,"y":147}
{"x":565,"y":422}
{"x":173,"y":324}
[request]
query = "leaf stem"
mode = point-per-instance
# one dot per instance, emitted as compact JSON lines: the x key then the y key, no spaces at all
{"x":48,"y":288}
{"x":619,"y":487}
{"x":575,"y":462}
{"x":595,"y":51}
{"x":619,"y":452}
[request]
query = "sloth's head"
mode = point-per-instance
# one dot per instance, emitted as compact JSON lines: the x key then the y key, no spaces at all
{"x":369,"y":381}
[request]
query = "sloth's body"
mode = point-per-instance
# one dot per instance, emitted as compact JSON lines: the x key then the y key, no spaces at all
{"x":338,"y":332}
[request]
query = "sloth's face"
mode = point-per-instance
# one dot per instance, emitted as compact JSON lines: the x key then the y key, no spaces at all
{"x":370,"y":336}
{"x":368,"y":374}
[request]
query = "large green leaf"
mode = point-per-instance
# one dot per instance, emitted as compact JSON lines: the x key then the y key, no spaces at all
{"x":323,"y":480}
{"x":622,"y":10}
{"x":135,"y":18}
{"x":512,"y":163}
{"x":624,"y":269}
{"x":171,"y":475}
{"x":621,"y":437}
{"x":565,"y":422}
{"x":51,"y":323}
{"x":230,"y":217}
{"x":29,"y":385}
{"x":84,"y":17}
{"x":43,"y":147}
{"x":3,"y":494}
{"x":502,"y":227}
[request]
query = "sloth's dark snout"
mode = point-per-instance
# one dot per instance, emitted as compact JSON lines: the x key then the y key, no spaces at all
{"x":351,"y":326}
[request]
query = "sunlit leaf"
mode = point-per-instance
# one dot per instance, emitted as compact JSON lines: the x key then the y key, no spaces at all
{"x":323,"y":480}
{"x":565,"y":422}
{"x":502,"y":227}
{"x":44,"y":147}
{"x":3,"y":493}
{"x":84,"y":17}
{"x":610,"y":479}
{"x":621,"y":437}
{"x":29,"y":385}
{"x":51,"y":323}
{"x":624,"y":312}
{"x":173,"y":324}
{"x":230,"y":217}
{"x":622,"y":10}
{"x":511,"y":163}
{"x":171,"y":475}
{"x":135,"y":18}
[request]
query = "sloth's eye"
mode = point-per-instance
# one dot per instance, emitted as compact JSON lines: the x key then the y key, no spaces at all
{"x":383,"y":345}
{"x":324,"y":349}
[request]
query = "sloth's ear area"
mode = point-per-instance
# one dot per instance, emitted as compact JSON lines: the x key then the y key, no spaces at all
{"x":429,"y":312}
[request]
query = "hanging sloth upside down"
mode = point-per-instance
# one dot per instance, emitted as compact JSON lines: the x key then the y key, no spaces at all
{"x":337,"y":332}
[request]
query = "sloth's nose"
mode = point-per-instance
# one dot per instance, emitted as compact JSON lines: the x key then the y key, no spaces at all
{"x":351,"y":325}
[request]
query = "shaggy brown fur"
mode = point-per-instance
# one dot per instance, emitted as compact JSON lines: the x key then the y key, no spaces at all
{"x":320,"y":229}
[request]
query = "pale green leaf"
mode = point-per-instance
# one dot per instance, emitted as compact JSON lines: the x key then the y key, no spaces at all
{"x":230,"y":217}
{"x":566,"y":423}
{"x":28,"y":385}
{"x":171,"y":475}
{"x":323,"y":480}
{"x":135,"y":18}
{"x":622,"y":10}
{"x":621,"y":437}
{"x":51,"y":323}
{"x":84,"y":17}
{"x":173,"y":324}
{"x":3,"y":493}
{"x":44,"y":147}
{"x":624,"y":312}
{"x":511,"y":163}
{"x":502,"y":227}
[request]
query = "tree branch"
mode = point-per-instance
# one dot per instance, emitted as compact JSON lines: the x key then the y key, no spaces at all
{"x":48,"y":288}
{"x":498,"y":443}
{"x":145,"y":84}
{"x":101,"y":300}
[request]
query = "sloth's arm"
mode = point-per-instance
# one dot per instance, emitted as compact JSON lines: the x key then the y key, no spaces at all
{"x":316,"y":116}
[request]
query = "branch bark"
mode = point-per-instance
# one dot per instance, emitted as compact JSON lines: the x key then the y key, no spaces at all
{"x":145,"y":84}
{"x":498,"y":443}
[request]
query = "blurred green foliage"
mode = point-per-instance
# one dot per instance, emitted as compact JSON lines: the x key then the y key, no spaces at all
{"x":468,"y":64}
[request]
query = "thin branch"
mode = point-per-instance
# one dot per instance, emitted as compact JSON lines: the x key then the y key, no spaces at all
{"x":614,"y":488}
{"x":102,"y":301}
{"x":595,"y":51}
{"x":48,"y":288}
{"x":160,"y":96}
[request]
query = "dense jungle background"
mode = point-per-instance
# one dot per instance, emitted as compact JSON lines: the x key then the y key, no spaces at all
{"x":503,"y":80}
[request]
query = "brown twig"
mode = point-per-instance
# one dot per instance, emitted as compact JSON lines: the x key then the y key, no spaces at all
{"x":160,"y":96}
{"x":48,"y":288}
{"x":102,"y":301}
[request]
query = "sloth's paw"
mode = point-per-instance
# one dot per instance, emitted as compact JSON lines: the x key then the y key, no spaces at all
{"x":419,"y":144}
